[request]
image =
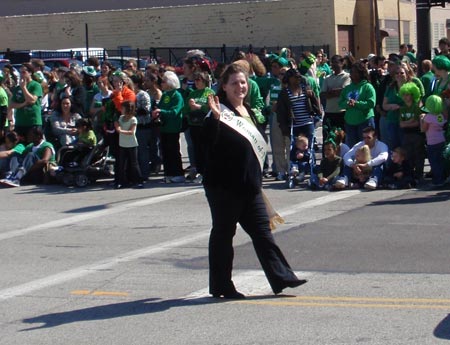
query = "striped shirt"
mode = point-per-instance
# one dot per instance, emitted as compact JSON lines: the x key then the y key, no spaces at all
{"x":302,"y":116}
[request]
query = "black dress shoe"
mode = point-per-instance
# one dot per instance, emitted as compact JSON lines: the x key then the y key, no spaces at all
{"x":291,"y":284}
{"x":229,"y":295}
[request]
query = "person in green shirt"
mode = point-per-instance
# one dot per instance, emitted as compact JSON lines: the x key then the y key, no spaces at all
{"x":26,"y":100}
{"x":358,"y":99}
{"x":169,"y":110}
{"x":37,"y":156}
{"x":12,"y":154}
{"x":427,"y":78}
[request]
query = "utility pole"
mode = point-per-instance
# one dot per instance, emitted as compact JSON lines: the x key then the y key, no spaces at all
{"x":423,"y":30}
{"x":377,"y":29}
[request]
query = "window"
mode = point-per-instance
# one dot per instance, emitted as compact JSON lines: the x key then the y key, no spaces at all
{"x":391,"y":43}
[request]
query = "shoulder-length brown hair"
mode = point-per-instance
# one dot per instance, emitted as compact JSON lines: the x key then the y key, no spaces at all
{"x":231,"y":69}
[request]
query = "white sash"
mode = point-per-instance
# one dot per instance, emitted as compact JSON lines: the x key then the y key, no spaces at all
{"x":247,"y":130}
{"x":259,"y":145}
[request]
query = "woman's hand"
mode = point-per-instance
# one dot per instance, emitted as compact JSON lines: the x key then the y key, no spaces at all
{"x":214,"y":105}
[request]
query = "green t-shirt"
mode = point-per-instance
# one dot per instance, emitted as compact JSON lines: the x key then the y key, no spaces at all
{"x":88,"y":138}
{"x":29,"y":115}
{"x":200,"y":96}
{"x":392,"y":96}
{"x":39,"y":151}
{"x":410,"y":113}
{"x":3,"y":97}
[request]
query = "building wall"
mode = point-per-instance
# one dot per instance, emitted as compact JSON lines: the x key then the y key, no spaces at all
{"x":260,"y":23}
{"x":265,"y":23}
{"x":438,"y":19}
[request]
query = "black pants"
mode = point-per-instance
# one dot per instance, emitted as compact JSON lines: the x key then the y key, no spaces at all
{"x":170,"y":147}
{"x":228,"y":209}
{"x":198,"y":141}
{"x":128,"y":163}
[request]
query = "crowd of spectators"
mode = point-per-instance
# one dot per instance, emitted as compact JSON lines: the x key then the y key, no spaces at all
{"x":380,"y":118}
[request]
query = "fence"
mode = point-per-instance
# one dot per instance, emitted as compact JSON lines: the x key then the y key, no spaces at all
{"x":172,"y":56}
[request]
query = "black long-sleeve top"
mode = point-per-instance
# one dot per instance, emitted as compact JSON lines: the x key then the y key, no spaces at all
{"x":230,"y":160}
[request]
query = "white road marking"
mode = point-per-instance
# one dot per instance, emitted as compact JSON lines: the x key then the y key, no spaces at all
{"x":96,"y":214}
{"x":82,"y":271}
{"x":249,"y":282}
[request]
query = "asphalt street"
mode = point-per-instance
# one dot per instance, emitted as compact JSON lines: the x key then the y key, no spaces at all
{"x":104,"y":266}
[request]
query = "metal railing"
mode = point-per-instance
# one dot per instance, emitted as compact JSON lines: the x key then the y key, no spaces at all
{"x":170,"y":55}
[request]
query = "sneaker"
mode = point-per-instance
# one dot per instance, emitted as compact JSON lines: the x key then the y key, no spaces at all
{"x":341,"y":182}
{"x":10,"y":183}
{"x":192,"y":174}
{"x":8,"y":175}
{"x":198,"y":179}
{"x":371,"y":183}
{"x":294,"y":170}
{"x":178,"y":179}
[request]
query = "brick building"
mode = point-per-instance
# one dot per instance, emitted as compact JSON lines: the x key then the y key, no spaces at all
{"x":345,"y":25}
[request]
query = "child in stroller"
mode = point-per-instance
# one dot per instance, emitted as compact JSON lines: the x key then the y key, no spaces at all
{"x":301,"y":161}
{"x":85,"y":161}
{"x":71,"y":156}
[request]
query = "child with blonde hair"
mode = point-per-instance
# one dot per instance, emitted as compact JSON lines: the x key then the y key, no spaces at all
{"x":300,"y":156}
{"x":360,"y":176}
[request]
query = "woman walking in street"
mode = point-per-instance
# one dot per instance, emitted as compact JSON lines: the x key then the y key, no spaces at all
{"x":232,"y":181}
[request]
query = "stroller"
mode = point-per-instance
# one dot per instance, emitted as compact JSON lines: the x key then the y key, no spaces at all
{"x":300,"y":167}
{"x":81,"y":167}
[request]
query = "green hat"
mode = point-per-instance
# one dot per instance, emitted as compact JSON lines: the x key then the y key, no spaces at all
{"x":119,"y":74}
{"x":434,"y":105}
{"x":441,"y":62}
{"x":90,"y":71}
{"x":308,"y":61}
{"x":39,"y":76}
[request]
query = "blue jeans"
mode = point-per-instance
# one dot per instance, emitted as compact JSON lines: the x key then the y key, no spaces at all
{"x":307,"y":131}
{"x":315,"y":183}
{"x":436,"y":162}
{"x":144,"y":136}
{"x":353,"y":133}
{"x":394,"y":135}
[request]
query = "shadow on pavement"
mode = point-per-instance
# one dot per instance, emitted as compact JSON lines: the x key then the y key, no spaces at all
{"x":111,"y":311}
{"x":437,"y":197}
{"x":442,"y":330}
